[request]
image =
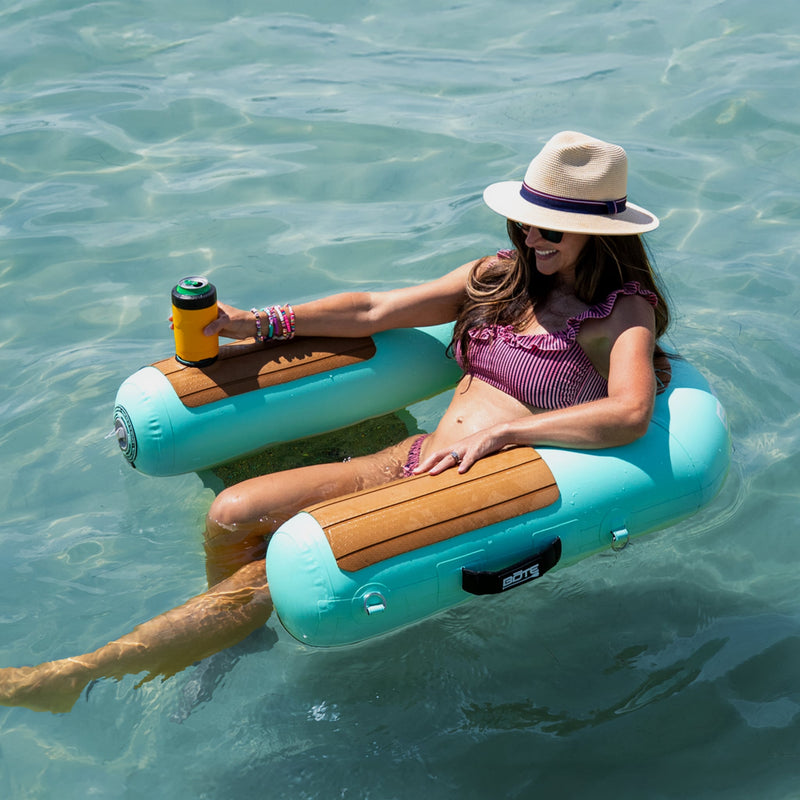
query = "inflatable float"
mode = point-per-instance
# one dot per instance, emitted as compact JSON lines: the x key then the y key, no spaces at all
{"x":365,"y":564}
{"x":170,"y":419}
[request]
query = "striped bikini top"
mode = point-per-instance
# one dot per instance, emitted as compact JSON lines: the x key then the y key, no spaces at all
{"x":545,"y":370}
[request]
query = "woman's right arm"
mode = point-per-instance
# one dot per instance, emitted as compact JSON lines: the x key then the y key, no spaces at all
{"x":354,"y":314}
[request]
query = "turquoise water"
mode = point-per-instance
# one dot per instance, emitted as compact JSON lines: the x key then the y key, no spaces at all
{"x":290,"y":150}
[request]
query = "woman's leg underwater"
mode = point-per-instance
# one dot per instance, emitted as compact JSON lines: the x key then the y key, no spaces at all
{"x":222,"y":616}
{"x":166,"y":644}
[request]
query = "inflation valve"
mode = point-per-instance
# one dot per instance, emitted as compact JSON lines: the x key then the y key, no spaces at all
{"x":126,"y":437}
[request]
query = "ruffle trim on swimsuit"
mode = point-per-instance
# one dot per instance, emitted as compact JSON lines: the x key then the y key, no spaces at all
{"x":565,"y":338}
{"x":414,"y":455}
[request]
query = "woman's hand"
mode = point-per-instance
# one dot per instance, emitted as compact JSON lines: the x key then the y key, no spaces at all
{"x":232,"y":323}
{"x":463,"y":454}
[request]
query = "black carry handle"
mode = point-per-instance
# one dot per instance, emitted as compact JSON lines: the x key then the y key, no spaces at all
{"x":528,"y":569}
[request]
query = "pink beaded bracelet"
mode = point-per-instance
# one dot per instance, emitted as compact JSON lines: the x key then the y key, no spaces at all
{"x":288,"y":318}
{"x":281,"y":322}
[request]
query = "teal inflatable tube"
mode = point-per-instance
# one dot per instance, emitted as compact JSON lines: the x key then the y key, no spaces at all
{"x":160,"y":435}
{"x":325,"y":590}
{"x":605,"y":497}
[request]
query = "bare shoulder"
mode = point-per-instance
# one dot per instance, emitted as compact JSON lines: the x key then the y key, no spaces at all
{"x":632,"y":318}
{"x":631,"y":311}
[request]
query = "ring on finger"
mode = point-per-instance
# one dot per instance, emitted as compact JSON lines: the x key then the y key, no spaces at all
{"x":455,"y":456}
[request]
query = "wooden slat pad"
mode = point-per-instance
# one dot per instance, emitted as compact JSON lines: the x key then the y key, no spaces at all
{"x":248,"y":365}
{"x":371,"y":526}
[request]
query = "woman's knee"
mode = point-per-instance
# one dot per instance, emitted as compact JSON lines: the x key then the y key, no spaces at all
{"x":247,"y":509}
{"x":229,"y":510}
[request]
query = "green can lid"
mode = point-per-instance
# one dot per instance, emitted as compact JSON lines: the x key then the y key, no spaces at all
{"x":192,"y":286}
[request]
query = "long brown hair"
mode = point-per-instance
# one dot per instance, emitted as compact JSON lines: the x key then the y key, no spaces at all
{"x":505,"y":291}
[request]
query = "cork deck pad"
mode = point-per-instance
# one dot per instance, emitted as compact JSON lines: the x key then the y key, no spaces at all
{"x":376,"y":524}
{"x":248,"y":365}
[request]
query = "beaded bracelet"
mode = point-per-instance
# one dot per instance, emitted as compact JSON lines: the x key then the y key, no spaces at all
{"x":288,"y":312}
{"x":271,"y":320}
{"x":281,"y":323}
{"x":259,"y":334}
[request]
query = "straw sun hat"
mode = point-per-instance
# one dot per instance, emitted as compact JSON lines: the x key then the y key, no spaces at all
{"x":576,"y":184}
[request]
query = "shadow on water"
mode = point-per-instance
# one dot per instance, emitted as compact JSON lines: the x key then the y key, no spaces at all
{"x":200,"y":683}
{"x":362,"y":439}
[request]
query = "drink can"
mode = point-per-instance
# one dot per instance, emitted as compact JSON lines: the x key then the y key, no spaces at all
{"x":194,"y":305}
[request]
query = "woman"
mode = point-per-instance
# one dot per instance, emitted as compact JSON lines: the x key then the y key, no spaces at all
{"x":557,"y":339}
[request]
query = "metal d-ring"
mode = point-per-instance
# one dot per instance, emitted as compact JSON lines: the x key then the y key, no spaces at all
{"x":375,"y":607}
{"x":619,"y":539}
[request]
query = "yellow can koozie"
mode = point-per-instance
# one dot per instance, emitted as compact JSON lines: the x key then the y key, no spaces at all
{"x":194,"y":305}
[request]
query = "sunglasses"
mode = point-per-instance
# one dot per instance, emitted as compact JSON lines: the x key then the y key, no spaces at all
{"x":551,"y":236}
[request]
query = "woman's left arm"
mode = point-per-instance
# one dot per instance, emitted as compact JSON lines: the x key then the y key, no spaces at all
{"x":628,"y":338}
